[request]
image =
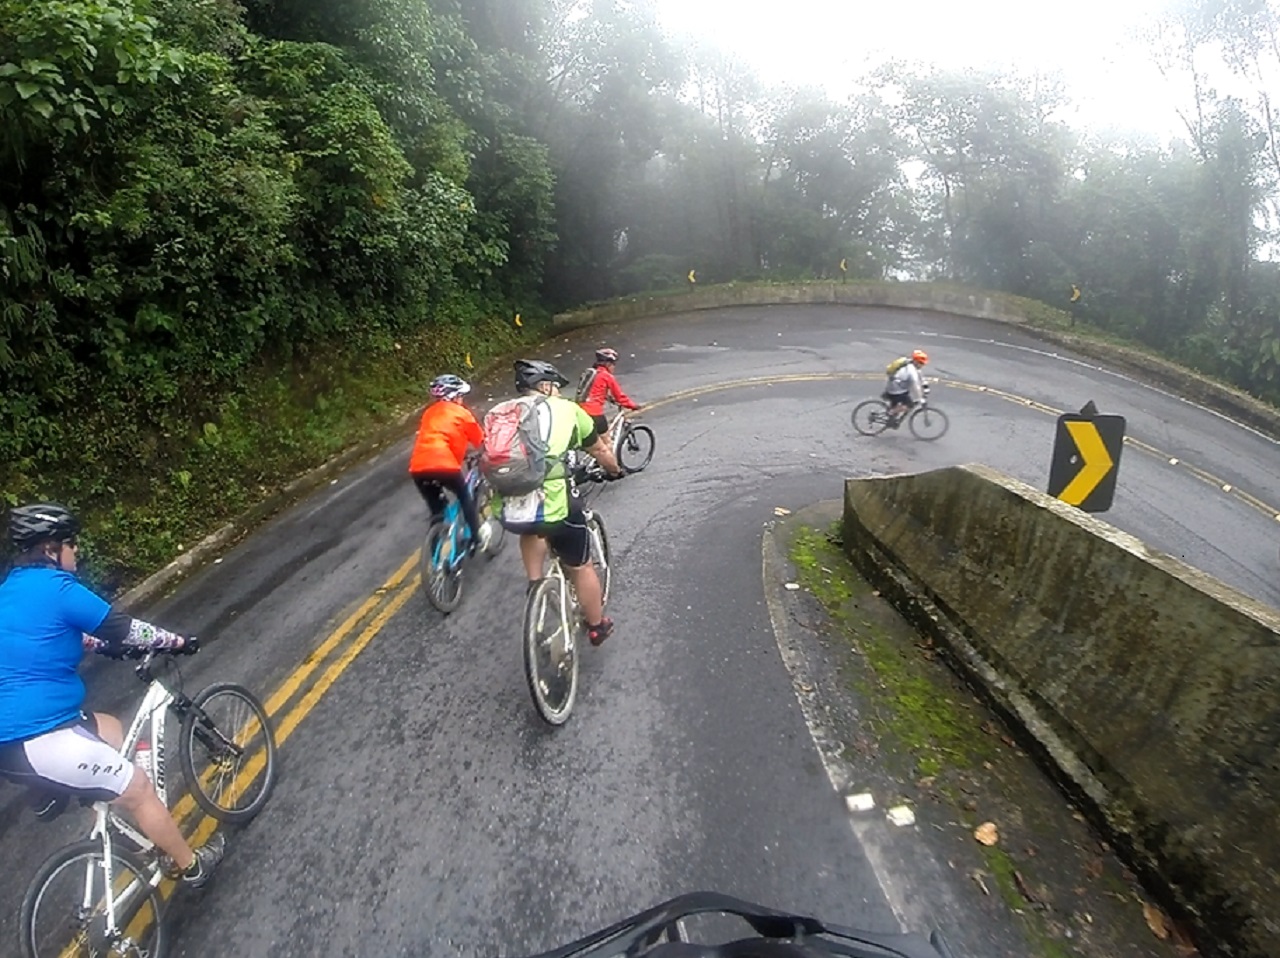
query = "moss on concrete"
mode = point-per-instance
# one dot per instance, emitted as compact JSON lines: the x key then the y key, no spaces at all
{"x":917,"y":711}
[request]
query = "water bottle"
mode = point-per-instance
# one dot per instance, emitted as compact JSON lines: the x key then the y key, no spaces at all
{"x":142,"y":756}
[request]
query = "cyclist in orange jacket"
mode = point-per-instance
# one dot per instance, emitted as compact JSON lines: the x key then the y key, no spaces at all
{"x":599,"y":386}
{"x":445,"y":432}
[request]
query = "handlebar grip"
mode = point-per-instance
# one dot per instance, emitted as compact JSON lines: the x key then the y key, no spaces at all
{"x":190,"y":646}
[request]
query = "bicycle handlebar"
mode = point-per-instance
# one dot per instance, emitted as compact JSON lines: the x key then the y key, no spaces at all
{"x":784,"y":935}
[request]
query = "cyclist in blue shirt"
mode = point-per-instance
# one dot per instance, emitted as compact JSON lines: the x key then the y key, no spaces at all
{"x":47,"y":621}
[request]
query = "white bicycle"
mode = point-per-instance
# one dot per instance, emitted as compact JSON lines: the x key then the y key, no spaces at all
{"x":554,"y":627}
{"x":98,"y":897}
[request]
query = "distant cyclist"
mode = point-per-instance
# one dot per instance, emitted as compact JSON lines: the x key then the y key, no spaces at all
{"x":906,"y":387}
{"x":445,"y":432}
{"x":552,"y":515}
{"x":599,"y":386}
{"x":47,"y":622}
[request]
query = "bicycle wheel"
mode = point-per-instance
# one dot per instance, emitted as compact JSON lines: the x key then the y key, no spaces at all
{"x":228,"y":752}
{"x":484,"y":508}
{"x":635,"y":448}
{"x":550,"y":650}
{"x":600,"y":554}
{"x":64,"y":910}
{"x":871,"y":417}
{"x":928,"y":423}
{"x":442,"y":583}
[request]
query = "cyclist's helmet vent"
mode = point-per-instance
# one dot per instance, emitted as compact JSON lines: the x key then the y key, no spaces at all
{"x":29,"y":525}
{"x":531,"y":372}
{"x":449,"y":387}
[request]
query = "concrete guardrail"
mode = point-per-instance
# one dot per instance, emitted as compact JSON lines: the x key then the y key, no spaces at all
{"x":1152,"y":687}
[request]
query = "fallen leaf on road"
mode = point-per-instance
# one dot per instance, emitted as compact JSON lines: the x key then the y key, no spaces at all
{"x":792,"y":586}
{"x":1094,"y":868}
{"x":977,"y":876}
{"x":986,"y":833}
{"x":781,"y":511}
{"x":1156,"y":920}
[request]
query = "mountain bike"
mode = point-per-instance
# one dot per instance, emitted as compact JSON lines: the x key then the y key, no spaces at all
{"x":97,"y":897}
{"x":872,"y":417}
{"x":447,"y":547}
{"x":665,"y":930}
{"x":554,"y":628}
{"x":633,"y":443}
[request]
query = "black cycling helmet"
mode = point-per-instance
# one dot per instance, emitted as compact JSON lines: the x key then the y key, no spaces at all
{"x":30,"y":525}
{"x":531,"y":372}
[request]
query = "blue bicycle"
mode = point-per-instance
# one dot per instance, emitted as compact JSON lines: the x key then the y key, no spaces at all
{"x":448,"y":544}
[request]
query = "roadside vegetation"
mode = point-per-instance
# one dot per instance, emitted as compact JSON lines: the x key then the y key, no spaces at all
{"x":235,"y":235}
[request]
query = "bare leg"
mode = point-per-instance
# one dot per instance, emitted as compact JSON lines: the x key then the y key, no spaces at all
{"x":587,"y":585}
{"x":143,"y":804}
{"x":533,"y":551}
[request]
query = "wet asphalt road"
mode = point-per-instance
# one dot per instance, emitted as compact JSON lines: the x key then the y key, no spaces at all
{"x":422,"y":807}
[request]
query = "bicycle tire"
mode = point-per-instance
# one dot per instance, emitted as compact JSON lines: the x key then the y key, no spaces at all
{"x":865,"y":420}
{"x":442,"y":585}
{"x":484,"y":509}
{"x":595,"y":528}
{"x":635,"y":448}
{"x":232,"y":755}
{"x":928,"y":424}
{"x":77,"y":936}
{"x":553,"y":696}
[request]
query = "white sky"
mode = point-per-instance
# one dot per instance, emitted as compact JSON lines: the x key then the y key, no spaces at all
{"x":1108,"y":73}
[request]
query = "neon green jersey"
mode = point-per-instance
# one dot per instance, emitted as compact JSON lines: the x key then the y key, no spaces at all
{"x":566,"y":427}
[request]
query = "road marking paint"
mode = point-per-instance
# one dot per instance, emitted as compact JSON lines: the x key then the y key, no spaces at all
{"x":1250,"y":500}
{"x":290,"y":685}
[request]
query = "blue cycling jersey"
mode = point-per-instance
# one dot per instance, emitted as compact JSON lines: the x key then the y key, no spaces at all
{"x":43,"y":615}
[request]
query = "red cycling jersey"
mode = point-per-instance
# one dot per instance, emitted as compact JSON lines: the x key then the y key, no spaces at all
{"x":604,"y":387}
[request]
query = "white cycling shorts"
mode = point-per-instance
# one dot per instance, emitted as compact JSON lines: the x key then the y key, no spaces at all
{"x":71,"y":759}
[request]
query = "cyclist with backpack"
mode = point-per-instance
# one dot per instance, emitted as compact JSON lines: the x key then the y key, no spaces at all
{"x":445,"y":432}
{"x":598,"y":386}
{"x":527,"y":441}
{"x":906,"y":387}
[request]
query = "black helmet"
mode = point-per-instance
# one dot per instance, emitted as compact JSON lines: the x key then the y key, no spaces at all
{"x":530,"y":372}
{"x":29,"y":525}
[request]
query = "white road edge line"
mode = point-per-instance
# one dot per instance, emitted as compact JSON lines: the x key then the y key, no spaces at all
{"x":870,"y":831}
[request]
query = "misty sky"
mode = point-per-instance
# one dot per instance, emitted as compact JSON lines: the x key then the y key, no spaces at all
{"x":1109,"y":73}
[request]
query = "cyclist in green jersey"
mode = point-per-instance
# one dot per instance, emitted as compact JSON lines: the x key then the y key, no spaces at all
{"x":552,"y":516}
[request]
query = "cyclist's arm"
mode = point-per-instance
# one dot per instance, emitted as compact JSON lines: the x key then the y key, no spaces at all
{"x":595,"y":445}
{"x":119,"y":632}
{"x":915,"y":385}
{"x":621,"y":398}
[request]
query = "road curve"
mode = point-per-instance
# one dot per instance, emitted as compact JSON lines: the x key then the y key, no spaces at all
{"x":423,"y":809}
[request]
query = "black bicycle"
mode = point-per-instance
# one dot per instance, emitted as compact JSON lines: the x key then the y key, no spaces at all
{"x":873,"y":416}
{"x":664,"y":932}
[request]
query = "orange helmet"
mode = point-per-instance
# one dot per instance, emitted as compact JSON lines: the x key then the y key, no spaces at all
{"x":919,"y":357}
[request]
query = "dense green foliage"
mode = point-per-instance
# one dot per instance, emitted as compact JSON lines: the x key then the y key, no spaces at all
{"x":203,"y":202}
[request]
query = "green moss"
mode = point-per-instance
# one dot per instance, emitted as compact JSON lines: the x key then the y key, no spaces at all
{"x":913,"y":704}
{"x":916,"y":709}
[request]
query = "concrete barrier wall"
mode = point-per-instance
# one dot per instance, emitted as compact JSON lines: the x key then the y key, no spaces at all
{"x":1041,"y":319}
{"x":926,"y":296}
{"x":1154,"y":687}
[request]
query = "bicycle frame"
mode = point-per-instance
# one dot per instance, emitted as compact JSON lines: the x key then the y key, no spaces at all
{"x":459,"y":532}
{"x":150,"y":716}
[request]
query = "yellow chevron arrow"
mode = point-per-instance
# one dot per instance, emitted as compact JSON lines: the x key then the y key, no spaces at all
{"x":1097,"y":463}
{"x":692,"y":278}
{"x":1075,"y":293}
{"x":844,"y":266}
